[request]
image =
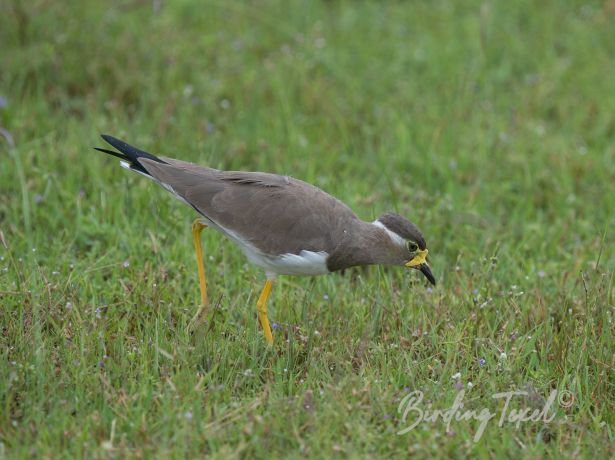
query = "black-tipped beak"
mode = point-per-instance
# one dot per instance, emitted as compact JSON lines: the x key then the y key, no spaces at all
{"x":425,"y":270}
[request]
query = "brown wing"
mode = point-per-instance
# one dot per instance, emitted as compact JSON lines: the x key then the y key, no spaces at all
{"x":277,"y":214}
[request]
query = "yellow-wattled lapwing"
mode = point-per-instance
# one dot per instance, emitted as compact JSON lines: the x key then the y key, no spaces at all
{"x":283,"y":225}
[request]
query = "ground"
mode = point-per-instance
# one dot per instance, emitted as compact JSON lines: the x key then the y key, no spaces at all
{"x":489,"y":124}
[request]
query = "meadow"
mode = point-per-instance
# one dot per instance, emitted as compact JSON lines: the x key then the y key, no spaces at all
{"x":490,"y":124}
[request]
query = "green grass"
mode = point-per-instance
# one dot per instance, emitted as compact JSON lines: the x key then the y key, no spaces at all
{"x":489,"y":124}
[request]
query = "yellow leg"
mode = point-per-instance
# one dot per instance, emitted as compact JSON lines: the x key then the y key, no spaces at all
{"x":261,"y":308}
{"x":197,"y":228}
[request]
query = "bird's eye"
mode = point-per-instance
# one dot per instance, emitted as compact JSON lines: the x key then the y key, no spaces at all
{"x":412,"y":246}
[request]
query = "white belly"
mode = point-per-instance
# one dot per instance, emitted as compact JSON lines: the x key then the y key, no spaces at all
{"x":305,"y":263}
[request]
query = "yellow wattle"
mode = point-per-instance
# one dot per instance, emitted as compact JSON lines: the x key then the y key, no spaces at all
{"x":418,"y":259}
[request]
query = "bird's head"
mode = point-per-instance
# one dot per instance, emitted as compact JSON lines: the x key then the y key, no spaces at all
{"x":409,"y":245}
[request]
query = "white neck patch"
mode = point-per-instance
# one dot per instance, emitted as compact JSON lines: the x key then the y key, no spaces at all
{"x":398,"y":240}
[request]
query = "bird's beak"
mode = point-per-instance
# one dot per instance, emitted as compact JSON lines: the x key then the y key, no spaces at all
{"x":425,"y":270}
{"x":419,"y":262}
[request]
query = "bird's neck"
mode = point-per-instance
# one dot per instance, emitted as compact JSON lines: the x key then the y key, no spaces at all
{"x":364,"y":244}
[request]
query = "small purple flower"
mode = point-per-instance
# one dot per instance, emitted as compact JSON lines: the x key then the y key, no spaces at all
{"x":406,"y":389}
{"x":275,"y":326}
{"x":4,"y":103}
{"x":126,"y":264}
{"x":482,"y":362}
{"x":188,"y":415}
{"x":458,"y":386}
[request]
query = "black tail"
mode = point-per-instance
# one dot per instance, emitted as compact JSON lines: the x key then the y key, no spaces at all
{"x":128,"y":153}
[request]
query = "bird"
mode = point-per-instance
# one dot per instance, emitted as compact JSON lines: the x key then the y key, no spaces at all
{"x":283,"y":225}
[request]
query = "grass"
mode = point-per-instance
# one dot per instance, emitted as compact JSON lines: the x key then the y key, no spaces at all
{"x":489,"y":124}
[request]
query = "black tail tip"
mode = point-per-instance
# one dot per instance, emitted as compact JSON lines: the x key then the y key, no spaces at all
{"x":132,"y":154}
{"x":110,"y":139}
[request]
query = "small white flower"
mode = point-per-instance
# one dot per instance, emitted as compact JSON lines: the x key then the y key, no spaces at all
{"x":107,"y":445}
{"x":503,"y":356}
{"x":470,"y":384}
{"x":457,"y":376}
